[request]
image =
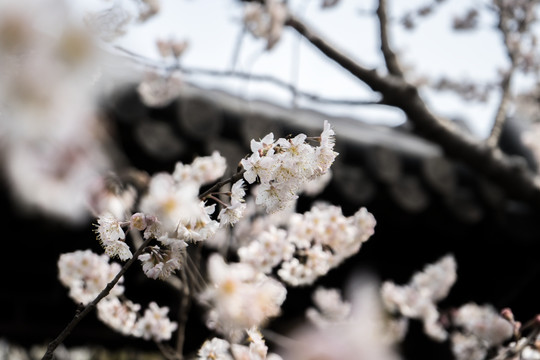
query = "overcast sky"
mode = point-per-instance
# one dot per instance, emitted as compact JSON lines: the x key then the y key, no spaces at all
{"x":212,"y":27}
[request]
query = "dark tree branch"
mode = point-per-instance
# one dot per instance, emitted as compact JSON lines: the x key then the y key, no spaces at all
{"x":502,"y":109}
{"x":513,"y":55}
{"x":517,"y":181}
{"x":390,"y":58}
{"x":80,"y":315}
{"x":218,"y":185}
{"x":183,"y":311}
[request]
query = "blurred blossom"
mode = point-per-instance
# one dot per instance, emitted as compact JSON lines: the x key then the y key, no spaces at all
{"x":312,"y":244}
{"x":155,"y":325}
{"x":366,"y":334}
{"x":240,"y":297}
{"x":157,"y":90}
{"x":117,"y":314}
{"x":49,"y":132}
{"x":220,"y":349}
{"x":418,"y":298}
{"x":86,"y":274}
{"x":330,"y":308}
{"x":484,"y":322}
{"x":266,"y":20}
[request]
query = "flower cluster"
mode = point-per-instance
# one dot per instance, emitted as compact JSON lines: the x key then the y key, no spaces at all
{"x":314,"y":243}
{"x":330,"y":308}
{"x":481,"y":329}
{"x":172,"y":213}
{"x":240,"y":297}
{"x":160,"y":263}
{"x":112,"y":237}
{"x":86,"y":274}
{"x":363,"y":333}
{"x":285,"y":165}
{"x":51,"y":149}
{"x":155,"y":325}
{"x":417,"y":299}
{"x":219,"y":349}
{"x":232,"y":213}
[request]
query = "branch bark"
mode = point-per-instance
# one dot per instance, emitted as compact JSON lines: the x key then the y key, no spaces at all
{"x":390,"y":58}
{"x":517,"y":181}
{"x":239,"y":175}
{"x":512,"y":54}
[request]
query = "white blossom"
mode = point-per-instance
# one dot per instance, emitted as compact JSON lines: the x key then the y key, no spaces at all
{"x":112,"y":236}
{"x":170,"y":203}
{"x":417,"y":299}
{"x":467,"y":347}
{"x":155,"y":324}
{"x":284,"y":166}
{"x":157,"y":90}
{"x":267,"y":250}
{"x":237,"y":191}
{"x":483,"y":322}
{"x":324,"y":237}
{"x":231,"y":214}
{"x":109,"y":229}
{"x":266,"y":20}
{"x":215,"y":349}
{"x":203,"y":170}
{"x":119,"y":315}
{"x":158,"y":263}
{"x":86,"y":274}
{"x":364,"y":334}
{"x":330,"y":309}
{"x":239,"y":296}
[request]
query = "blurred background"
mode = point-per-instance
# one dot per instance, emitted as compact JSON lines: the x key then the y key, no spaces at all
{"x":73,"y":110}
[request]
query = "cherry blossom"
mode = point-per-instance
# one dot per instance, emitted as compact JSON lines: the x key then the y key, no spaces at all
{"x":417,"y":299}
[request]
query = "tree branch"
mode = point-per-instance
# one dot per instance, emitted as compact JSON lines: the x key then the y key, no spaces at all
{"x":158,"y":66}
{"x":500,"y":116}
{"x":219,"y":184}
{"x":512,"y":54}
{"x":390,"y":58}
{"x":517,"y":181}
{"x":81,"y":314}
{"x":183,"y":311}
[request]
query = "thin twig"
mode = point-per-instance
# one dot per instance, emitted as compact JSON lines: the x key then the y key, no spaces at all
{"x":183,"y":311}
{"x":500,"y":116}
{"x":158,"y":66}
{"x":80,"y":315}
{"x":238,"y":47}
{"x":167,"y":351}
{"x":196,"y":280}
{"x":511,"y":351}
{"x":390,"y":58}
{"x":219,"y":184}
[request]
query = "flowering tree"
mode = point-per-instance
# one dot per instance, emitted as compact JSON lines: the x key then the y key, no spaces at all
{"x":233,"y":242}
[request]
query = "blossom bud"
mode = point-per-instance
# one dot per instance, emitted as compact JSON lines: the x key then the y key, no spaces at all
{"x":507,"y":314}
{"x":138,"y":221}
